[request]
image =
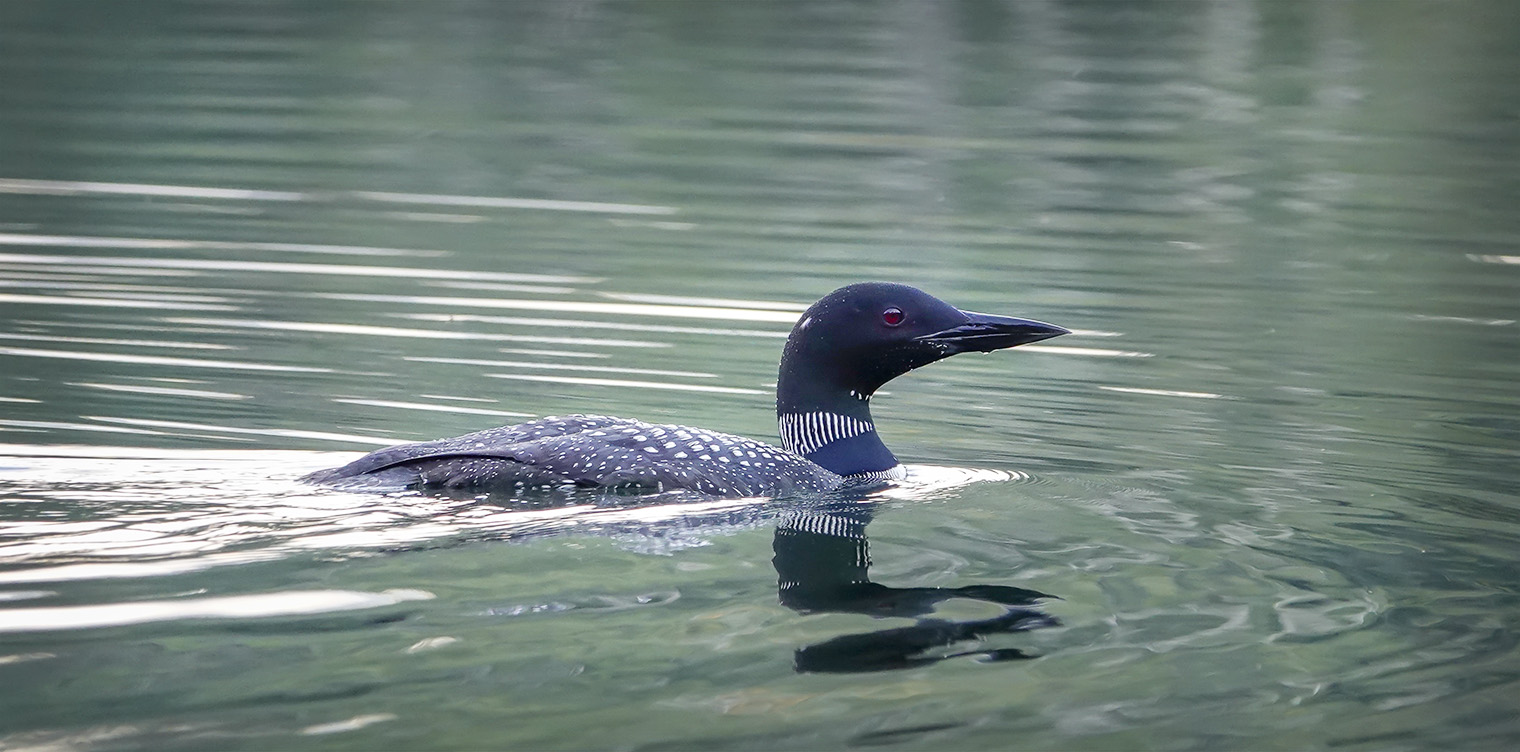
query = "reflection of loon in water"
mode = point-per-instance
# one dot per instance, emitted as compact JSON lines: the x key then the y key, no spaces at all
{"x":841,"y":350}
{"x":821,"y":560}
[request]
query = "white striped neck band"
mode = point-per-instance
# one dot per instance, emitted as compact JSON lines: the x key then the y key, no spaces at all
{"x":805,"y":433}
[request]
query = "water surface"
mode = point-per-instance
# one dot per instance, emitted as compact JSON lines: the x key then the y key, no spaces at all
{"x":1263,"y":498}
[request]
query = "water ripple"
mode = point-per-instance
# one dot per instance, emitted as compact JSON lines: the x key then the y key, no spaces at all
{"x":268,"y":267}
{"x":75,"y":188}
{"x":214,"y":509}
{"x":258,"y":605}
{"x":392,"y":331}
{"x":157,"y":360}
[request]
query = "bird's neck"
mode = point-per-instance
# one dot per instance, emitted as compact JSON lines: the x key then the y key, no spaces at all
{"x":831,"y":426}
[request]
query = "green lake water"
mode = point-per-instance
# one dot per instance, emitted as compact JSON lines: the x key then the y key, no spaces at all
{"x":1265,"y":497}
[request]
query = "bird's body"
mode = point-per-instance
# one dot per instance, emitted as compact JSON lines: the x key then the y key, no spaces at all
{"x":842,"y":349}
{"x":591,"y":450}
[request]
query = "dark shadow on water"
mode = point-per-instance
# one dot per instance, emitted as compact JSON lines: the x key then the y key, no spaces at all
{"x":822,"y":560}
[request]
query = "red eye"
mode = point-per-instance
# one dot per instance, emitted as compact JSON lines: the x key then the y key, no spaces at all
{"x":892,"y":316}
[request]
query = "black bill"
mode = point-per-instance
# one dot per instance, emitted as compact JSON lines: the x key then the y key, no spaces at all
{"x":984,"y":332}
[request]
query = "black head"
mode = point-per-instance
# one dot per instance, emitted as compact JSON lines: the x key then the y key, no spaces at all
{"x":859,"y":337}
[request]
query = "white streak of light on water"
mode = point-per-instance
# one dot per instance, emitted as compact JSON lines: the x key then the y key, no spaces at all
{"x":567,"y":306}
{"x":288,"y":433}
{"x":628,"y":384}
{"x":156,"y":360}
{"x":389,"y":331}
{"x":582,"y":324}
{"x":564,"y":367}
{"x":432,"y":408}
{"x":270,"y":267}
{"x":74,"y":188}
{"x":257,"y":605}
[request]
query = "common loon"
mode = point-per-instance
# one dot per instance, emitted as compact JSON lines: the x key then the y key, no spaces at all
{"x":842,"y":349}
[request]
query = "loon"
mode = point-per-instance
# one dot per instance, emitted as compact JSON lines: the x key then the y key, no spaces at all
{"x":842,"y":349}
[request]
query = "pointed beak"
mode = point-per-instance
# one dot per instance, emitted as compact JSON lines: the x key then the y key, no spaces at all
{"x":984,"y":332}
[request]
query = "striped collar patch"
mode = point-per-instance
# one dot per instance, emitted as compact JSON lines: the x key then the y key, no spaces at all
{"x":805,"y":433}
